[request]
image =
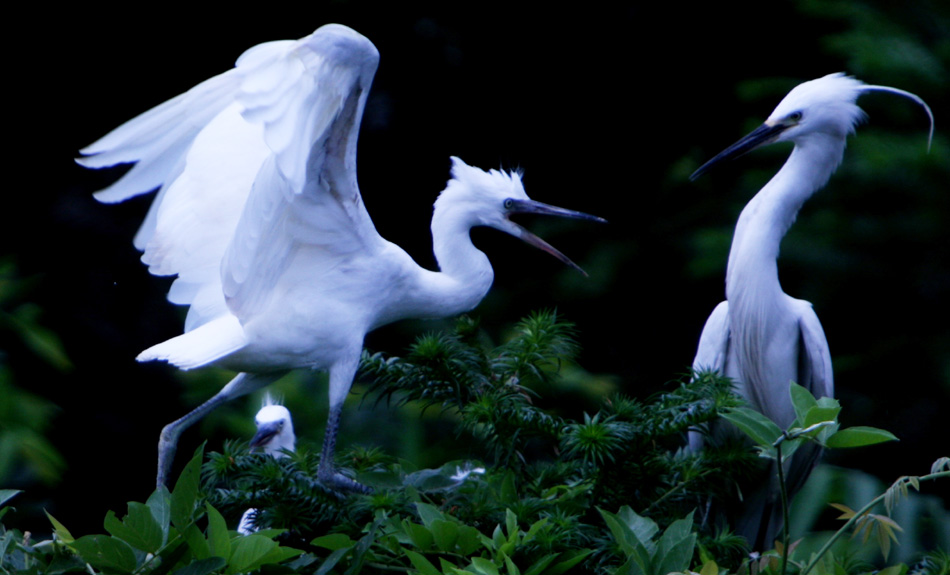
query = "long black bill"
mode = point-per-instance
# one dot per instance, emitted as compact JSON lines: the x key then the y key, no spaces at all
{"x":533,"y":207}
{"x":265,"y":432}
{"x":762,"y":135}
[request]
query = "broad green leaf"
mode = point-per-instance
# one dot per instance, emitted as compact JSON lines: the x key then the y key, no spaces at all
{"x":859,"y":437}
{"x":420,"y":536}
{"x":159,"y":503}
{"x":277,"y":555}
{"x":643,"y":528}
{"x":469,"y":540}
{"x":185,"y":495}
{"x":196,"y":542}
{"x":445,"y":534}
{"x":511,"y":523}
{"x":802,"y":400}
{"x":202,"y":566}
{"x":484,"y":566}
{"x":510,"y":567}
{"x":709,"y":568}
{"x":333,"y":541}
{"x":138,"y":528}
{"x":106,"y":553}
{"x":678,"y":557}
{"x":219,"y":540}
{"x":627,"y":528}
{"x":247,"y":552}
{"x":758,"y":427}
{"x":60,"y":530}
{"x":422,"y":564}
{"x":428,"y":513}
{"x":817,"y":414}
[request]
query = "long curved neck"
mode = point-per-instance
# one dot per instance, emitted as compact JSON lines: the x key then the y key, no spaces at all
{"x":465,"y":274}
{"x":768,"y":216}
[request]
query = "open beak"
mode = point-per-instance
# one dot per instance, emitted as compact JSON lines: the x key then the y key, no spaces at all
{"x":764,"y":134}
{"x":265,"y":432}
{"x":533,"y":207}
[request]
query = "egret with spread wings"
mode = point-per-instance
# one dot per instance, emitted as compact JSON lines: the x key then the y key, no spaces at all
{"x":760,"y":337}
{"x":259,"y":216}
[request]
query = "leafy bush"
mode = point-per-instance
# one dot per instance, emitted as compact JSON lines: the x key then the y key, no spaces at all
{"x":613,"y":492}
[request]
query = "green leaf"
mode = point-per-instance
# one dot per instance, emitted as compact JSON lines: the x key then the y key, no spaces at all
{"x":196,"y":542}
{"x":138,"y":528}
{"x":60,"y":530}
{"x":678,"y":557}
{"x":420,"y":536}
{"x":484,"y":566}
{"x":202,"y":566}
{"x":469,"y":540}
{"x":445,"y":534}
{"x":422,"y":564}
{"x":185,"y":495}
{"x":802,"y":400}
{"x":219,"y":540}
{"x":106,"y":553}
{"x":428,"y":513}
{"x":159,"y":503}
{"x":569,"y":560}
{"x":758,"y":427}
{"x":859,"y":437}
{"x":331,"y":561}
{"x":248,"y":553}
{"x":538,"y":566}
{"x":333,"y":541}
{"x":818,"y":414}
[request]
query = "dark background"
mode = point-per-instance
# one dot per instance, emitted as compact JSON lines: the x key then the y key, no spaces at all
{"x":606,"y":110}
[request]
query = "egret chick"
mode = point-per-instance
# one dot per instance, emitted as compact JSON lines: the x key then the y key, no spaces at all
{"x":275,"y":436}
{"x":259,"y":215}
{"x":760,"y":337}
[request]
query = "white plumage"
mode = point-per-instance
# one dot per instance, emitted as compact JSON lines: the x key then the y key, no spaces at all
{"x":259,"y":216}
{"x":761,"y":337}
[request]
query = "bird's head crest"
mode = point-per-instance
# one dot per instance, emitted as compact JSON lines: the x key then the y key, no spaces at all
{"x":829,"y":104}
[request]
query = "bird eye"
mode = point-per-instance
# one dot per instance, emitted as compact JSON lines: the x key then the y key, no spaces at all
{"x":509,"y":203}
{"x":795,"y":117}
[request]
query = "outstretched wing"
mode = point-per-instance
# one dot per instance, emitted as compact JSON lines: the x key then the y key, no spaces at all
{"x":246,"y":163}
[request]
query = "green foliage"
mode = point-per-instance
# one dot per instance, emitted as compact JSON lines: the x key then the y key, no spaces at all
{"x":646,"y":555}
{"x":173,"y":532}
{"x":541,"y":504}
{"x":24,"y":416}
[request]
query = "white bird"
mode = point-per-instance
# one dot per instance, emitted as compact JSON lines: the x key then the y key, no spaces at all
{"x":259,"y":215}
{"x":275,"y":436}
{"x":761,"y":337}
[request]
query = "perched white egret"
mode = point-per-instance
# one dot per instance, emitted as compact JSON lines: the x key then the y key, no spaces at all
{"x":275,"y":437}
{"x":760,"y":337}
{"x":259,"y":215}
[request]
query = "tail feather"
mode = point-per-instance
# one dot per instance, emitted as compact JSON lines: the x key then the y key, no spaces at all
{"x":201,"y":346}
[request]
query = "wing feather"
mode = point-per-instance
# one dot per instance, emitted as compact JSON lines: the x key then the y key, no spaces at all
{"x":250,"y":165}
{"x":815,"y":356}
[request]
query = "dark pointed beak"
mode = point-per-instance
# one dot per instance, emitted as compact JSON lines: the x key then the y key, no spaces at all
{"x":265,"y":432}
{"x":764,"y":134}
{"x":533,"y":207}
